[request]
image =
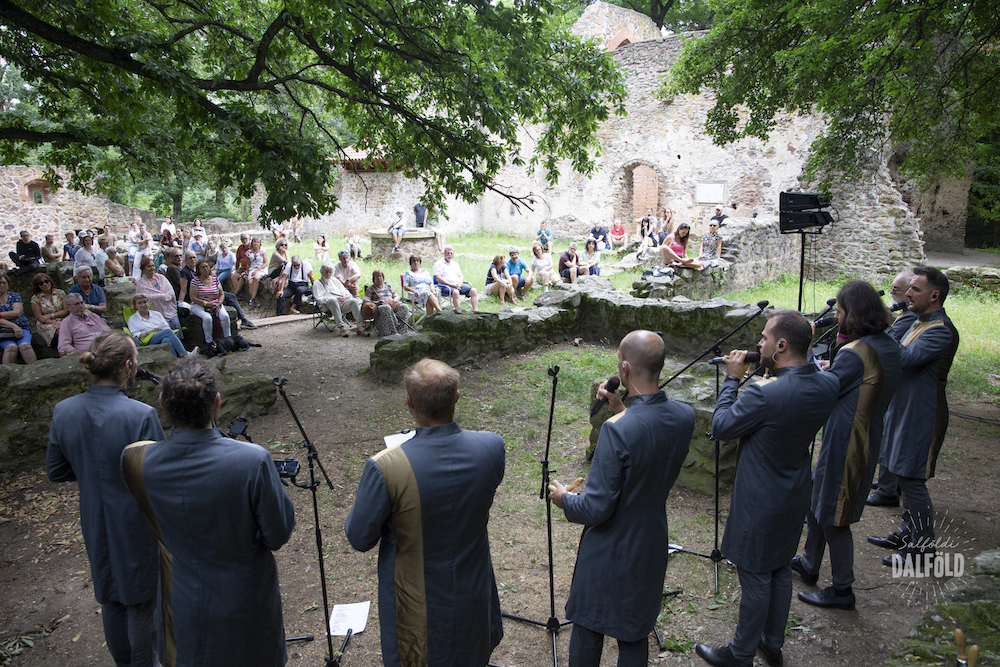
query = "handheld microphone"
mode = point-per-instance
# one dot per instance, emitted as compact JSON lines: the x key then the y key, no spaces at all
{"x":612,"y":386}
{"x":752,"y":357}
{"x":142,"y":374}
{"x":824,"y":322}
{"x":900,"y":305}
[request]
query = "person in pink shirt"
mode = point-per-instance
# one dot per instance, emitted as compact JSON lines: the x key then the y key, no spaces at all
{"x":80,"y":327}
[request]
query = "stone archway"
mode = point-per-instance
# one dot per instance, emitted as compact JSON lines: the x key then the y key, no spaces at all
{"x":637,"y":185}
{"x":623,"y":37}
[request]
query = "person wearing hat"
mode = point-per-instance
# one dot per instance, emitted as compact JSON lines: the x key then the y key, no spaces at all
{"x":198,"y":246}
{"x":517,"y":270}
{"x":347,"y":272}
{"x":397,"y":228}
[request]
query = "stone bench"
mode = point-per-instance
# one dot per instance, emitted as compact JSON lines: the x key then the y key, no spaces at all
{"x":415,"y":242}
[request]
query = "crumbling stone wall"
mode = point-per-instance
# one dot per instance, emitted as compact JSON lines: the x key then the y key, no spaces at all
{"x":62,"y":209}
{"x":615,"y":26}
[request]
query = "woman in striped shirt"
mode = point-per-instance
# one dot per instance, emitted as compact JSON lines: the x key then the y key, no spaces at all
{"x":206,"y":299}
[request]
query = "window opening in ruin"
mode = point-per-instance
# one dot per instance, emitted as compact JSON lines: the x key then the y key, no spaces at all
{"x":37,"y":196}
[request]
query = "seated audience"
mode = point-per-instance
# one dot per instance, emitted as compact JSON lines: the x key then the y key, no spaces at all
{"x":26,"y":255}
{"x":110,"y":240}
{"x":331,"y":295}
{"x":14,"y":325}
{"x":322,"y":249}
{"x":79,"y":329}
{"x":600,"y":235}
{"x":518,"y":270}
{"x":114,"y":266}
{"x":397,"y":227}
{"x":278,"y":230}
{"x":256,"y":270}
{"x":276,"y":266}
{"x":347,"y":272}
{"x":588,"y":262}
{"x":353,"y":244}
{"x":158,"y":290}
{"x":299,"y":279}
{"x":145,"y":321}
{"x":225,"y":263}
{"x":391,"y":314}
{"x":50,"y":251}
{"x":144,"y":248}
{"x":498,"y":282}
{"x":674,"y":251}
{"x":541,"y":263}
{"x":544,"y":237}
{"x":646,"y":233}
{"x":618,"y":235}
{"x":70,"y":247}
{"x":451,"y":281}
{"x":48,"y":305}
{"x":666,"y":225}
{"x":93,"y":296}
{"x":85,"y":256}
{"x":206,"y":297}
{"x":421,"y":284}
{"x":711,"y":245}
{"x":133,"y":242}
{"x":568,"y":263}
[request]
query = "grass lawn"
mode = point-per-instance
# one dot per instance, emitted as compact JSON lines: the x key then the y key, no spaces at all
{"x":975,"y":314}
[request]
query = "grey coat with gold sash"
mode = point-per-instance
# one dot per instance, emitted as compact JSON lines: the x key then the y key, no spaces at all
{"x":868,"y":371}
{"x":428,"y":503}
{"x":618,"y":582}
{"x":775,"y":420}
{"x":917,"y":418}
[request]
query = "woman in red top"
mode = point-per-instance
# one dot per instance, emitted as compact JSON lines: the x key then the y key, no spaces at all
{"x":206,"y":299}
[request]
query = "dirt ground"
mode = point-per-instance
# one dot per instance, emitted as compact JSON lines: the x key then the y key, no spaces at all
{"x":47,"y":598}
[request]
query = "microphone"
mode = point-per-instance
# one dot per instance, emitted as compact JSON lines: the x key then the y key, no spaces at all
{"x":142,"y":374}
{"x":752,"y":357}
{"x":763,"y":304}
{"x":613,"y":384}
{"x":824,"y":322}
{"x":900,"y":305}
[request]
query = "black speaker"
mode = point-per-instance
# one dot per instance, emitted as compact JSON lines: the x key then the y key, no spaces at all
{"x":794,"y":221}
{"x":801,"y":201}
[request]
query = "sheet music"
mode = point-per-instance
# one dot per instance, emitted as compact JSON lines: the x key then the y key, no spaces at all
{"x":396,"y":439}
{"x":353,"y":617}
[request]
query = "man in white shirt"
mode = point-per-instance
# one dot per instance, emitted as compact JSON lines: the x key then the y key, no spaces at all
{"x":448,"y":276}
{"x":347,"y":272}
{"x":168,"y":226}
{"x":332,"y":295}
{"x":144,"y":247}
{"x":299,"y":283}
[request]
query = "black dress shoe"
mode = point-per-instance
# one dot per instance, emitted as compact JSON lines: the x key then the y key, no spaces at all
{"x":876,"y":499}
{"x":797,"y":566}
{"x":247,"y":324}
{"x":893,"y":541}
{"x":718,"y":657}
{"x":772,"y":655}
{"x":828,"y":599}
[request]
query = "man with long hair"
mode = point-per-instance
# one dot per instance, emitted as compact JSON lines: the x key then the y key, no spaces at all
{"x":86,"y":439}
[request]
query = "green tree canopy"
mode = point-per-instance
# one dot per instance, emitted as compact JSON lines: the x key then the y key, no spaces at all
{"x":924,"y":75}
{"x":262,"y":91}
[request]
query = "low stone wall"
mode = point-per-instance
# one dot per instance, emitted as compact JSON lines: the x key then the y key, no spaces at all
{"x":29,"y":393}
{"x":415,"y":242}
{"x":693,"y":284}
{"x":984,"y":278}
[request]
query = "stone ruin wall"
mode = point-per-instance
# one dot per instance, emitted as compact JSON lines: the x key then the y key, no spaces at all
{"x":614,"y":26}
{"x":63,"y":210}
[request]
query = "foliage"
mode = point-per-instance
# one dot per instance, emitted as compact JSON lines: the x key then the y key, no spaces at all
{"x":676,"y":15}
{"x":270,"y":92}
{"x":982,"y":228}
{"x":920,"y":76}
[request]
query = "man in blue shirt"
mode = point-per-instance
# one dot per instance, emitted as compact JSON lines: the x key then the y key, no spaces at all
{"x":517,"y":268}
{"x":93,"y":295}
{"x":600,"y":234}
{"x":544,"y":236}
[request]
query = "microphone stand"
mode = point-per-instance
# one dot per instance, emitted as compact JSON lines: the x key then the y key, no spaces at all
{"x":552,"y":624}
{"x":313,"y":457}
{"x":716,"y":350}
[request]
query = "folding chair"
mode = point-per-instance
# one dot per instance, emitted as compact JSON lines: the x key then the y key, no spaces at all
{"x":418,"y":310}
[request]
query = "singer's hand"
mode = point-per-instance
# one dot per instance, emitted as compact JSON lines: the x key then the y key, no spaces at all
{"x":556,"y":491}
{"x":736,"y":363}
{"x":824,"y":364}
{"x":613,"y":398}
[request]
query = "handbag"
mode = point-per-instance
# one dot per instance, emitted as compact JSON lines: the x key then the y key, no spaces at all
{"x":8,"y":334}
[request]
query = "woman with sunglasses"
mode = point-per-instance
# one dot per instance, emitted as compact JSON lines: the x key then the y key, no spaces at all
{"x":48,"y":306}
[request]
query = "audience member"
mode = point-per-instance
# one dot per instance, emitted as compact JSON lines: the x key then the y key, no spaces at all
{"x":198,"y":228}
{"x":168,"y":226}
{"x":114,"y":267}
{"x":79,"y":329}
{"x":225,"y":263}
{"x":711,"y":245}
{"x":85,"y":256}
{"x":173,"y":272}
{"x":347,"y":272}
{"x":353,"y":244}
{"x":391,"y":314}
{"x":14,"y":327}
{"x":422,"y":221}
{"x":276,"y":266}
{"x":600,"y":235}
{"x":296,"y":230}
{"x":206,"y":297}
{"x":101,"y":255}
{"x":86,"y":439}
{"x":157,"y":289}
{"x":568,"y":264}
{"x":26,"y":255}
{"x":145,"y":322}
{"x":618,"y":234}
{"x":256,"y":271}
{"x":645,"y":233}
{"x":331,"y":294}
{"x":421,"y":285}
{"x":187,"y":275}
{"x":92,"y":295}
{"x":144,"y":248}
{"x":48,"y":305}
{"x":674,"y":251}
{"x":541,"y":264}
{"x":666,"y":224}
{"x":197,"y":246}
{"x":69,"y":248}
{"x":278,"y":230}
{"x":719,"y":216}
{"x":397,"y":227}
{"x":544,"y":237}
{"x":498,"y":282}
{"x":50,"y":251}
{"x":242,"y":272}
{"x":109,"y":237}
{"x":451,"y":282}
{"x":517,"y":268}
{"x":299,"y":279}
{"x":322,"y":249}
{"x":588,"y":262}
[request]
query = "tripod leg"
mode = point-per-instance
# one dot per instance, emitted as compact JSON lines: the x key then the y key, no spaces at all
{"x":659,"y":642}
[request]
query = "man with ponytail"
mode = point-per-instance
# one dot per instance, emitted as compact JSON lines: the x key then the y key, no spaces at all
{"x":86,"y":439}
